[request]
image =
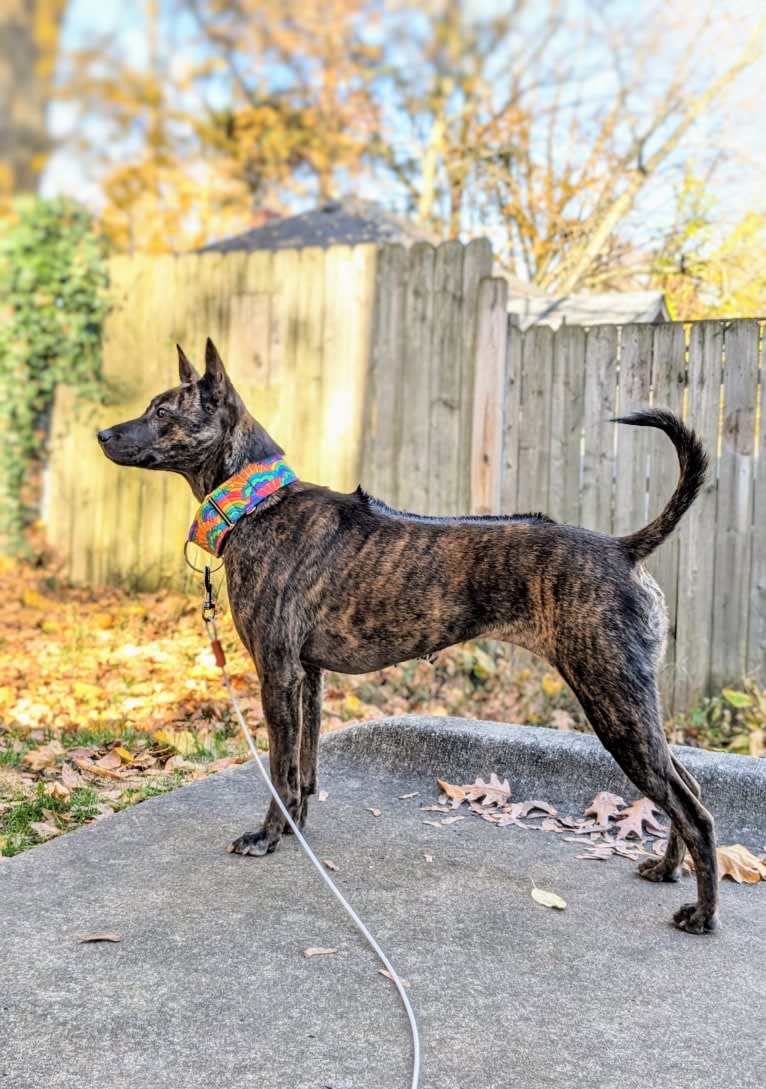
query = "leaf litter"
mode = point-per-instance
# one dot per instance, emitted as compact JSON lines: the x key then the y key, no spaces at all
{"x":612,"y":826}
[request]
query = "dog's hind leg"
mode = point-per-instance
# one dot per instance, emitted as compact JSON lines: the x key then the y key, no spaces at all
{"x":623,"y":708}
{"x":312,"y":718}
{"x":668,"y":867}
{"x":281,"y":694}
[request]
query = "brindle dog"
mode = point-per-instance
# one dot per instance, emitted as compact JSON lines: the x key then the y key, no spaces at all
{"x":319,"y":580}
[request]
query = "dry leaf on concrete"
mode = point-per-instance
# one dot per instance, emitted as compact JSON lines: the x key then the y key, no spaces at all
{"x":638,"y":820}
{"x":404,"y":982}
{"x":600,"y":853}
{"x":456,"y":794}
{"x":548,"y":899}
{"x":604,"y":806}
{"x":317,"y":951}
{"x":494,"y":792}
{"x":738,"y":863}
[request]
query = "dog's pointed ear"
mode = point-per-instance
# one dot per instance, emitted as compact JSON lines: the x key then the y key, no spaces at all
{"x":186,"y":372}
{"x":215,"y":372}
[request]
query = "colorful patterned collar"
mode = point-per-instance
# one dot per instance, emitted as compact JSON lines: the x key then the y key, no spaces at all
{"x":220,"y":511}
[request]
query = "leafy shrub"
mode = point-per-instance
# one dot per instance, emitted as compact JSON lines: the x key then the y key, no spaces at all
{"x":53,"y":302}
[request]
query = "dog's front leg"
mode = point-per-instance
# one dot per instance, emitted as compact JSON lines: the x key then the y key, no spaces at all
{"x":281,"y":694}
{"x":312,"y":719}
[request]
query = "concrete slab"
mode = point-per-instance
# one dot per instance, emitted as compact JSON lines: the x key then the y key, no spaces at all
{"x":209,"y":986}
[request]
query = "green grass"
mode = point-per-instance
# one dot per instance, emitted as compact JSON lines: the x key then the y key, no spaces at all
{"x":152,"y":788}
{"x":16,"y":822}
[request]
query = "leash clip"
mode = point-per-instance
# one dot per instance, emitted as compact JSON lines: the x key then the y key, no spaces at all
{"x":208,"y":605}
{"x":208,"y":616}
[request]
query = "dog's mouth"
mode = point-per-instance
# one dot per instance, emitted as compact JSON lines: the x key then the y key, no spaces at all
{"x":128,"y":454}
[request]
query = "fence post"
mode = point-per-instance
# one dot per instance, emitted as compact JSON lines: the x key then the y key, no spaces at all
{"x":488,"y":396}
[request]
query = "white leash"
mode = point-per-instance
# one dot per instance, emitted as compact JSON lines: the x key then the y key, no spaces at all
{"x":208,"y":615}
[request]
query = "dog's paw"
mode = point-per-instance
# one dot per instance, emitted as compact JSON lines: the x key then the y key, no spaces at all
{"x":695,"y":920}
{"x":254,"y":843}
{"x":657,"y":869}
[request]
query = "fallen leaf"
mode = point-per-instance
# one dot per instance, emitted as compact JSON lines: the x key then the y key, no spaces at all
{"x":322,"y":796}
{"x":328,"y":862}
{"x":604,"y":806}
{"x":414,"y":794}
{"x":57,"y":790}
{"x":738,"y":863}
{"x":428,"y":858}
{"x":44,"y":757}
{"x":530,"y":807}
{"x":109,"y":761}
{"x":455,"y":793}
{"x":631,"y":821}
{"x":625,"y":851}
{"x":101,"y":938}
{"x":375,"y":812}
{"x":599,"y":853}
{"x":70,"y":778}
{"x":494,"y":792}
{"x":94,"y":769}
{"x":451,"y":820}
{"x":385,"y":972}
{"x":183,"y":741}
{"x":548,"y":899}
{"x":317,"y":951}
{"x":44,"y":829}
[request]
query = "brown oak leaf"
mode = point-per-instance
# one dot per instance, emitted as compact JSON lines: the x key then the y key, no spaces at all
{"x":604,"y":806}
{"x":451,"y":792}
{"x":638,"y":820}
{"x":494,"y":792}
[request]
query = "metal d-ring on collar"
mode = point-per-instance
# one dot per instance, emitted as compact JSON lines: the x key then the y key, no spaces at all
{"x":199,"y":570}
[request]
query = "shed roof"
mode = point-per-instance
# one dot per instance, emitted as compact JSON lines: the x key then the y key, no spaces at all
{"x":338,"y":223}
{"x":611,"y":308}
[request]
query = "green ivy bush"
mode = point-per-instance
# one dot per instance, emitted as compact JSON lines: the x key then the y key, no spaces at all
{"x":53,"y":302}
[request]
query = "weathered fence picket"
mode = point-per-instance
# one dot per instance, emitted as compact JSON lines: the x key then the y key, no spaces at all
{"x":399,"y":369}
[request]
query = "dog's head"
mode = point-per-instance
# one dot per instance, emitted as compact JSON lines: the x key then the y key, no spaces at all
{"x":184,"y":428}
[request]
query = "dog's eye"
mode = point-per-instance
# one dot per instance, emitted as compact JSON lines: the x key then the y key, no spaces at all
{"x":162,"y":412}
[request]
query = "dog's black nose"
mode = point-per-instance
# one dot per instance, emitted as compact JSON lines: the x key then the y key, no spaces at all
{"x":104,"y":436}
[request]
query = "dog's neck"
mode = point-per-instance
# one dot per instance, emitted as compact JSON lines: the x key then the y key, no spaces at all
{"x":245,"y":444}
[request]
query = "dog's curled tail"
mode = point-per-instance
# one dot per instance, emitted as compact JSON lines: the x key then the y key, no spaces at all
{"x":693,"y":463}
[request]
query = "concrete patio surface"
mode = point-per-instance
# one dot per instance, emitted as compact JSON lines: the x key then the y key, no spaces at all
{"x":209,"y":988}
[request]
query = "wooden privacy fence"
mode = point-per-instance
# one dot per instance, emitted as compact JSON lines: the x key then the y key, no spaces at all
{"x":399,"y":368}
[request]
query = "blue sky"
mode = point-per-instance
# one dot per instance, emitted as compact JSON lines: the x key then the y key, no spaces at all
{"x":738,"y":137}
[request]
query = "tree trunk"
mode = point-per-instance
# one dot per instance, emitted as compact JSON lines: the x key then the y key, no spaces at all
{"x":29,"y":33}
